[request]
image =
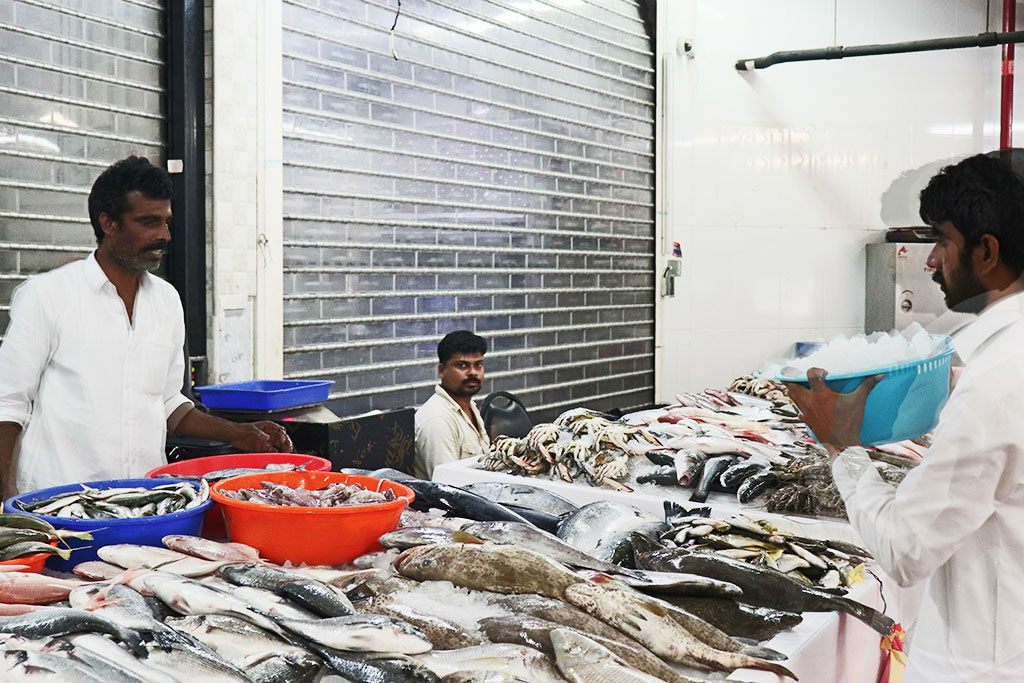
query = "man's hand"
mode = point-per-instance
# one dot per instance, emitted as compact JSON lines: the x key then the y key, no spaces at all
{"x":835,"y":419}
{"x":265,"y":437}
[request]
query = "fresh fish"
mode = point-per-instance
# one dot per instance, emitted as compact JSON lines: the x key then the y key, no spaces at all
{"x":121,"y":604}
{"x":713,"y":469}
{"x":497,"y":568}
{"x":31,"y":665}
{"x":211,"y":550}
{"x":187,"y":659}
{"x":409,"y":537}
{"x":660,"y":632}
{"x":763,"y":586}
{"x":738,"y":619}
{"x":96,"y":570}
{"x":334,"y":495}
{"x":737,"y":473}
{"x":132,"y":556}
{"x":537,"y":633}
{"x":234,"y":639}
{"x":269,"y":602}
{"x":560,"y":612}
{"x":522,"y":495}
{"x":602,"y":529}
{"x":756,"y":484}
{"x":537,"y":540}
{"x":374,"y":668}
{"x":583,"y":660}
{"x":688,"y":465}
{"x":110,"y":650}
{"x":62,"y":621}
{"x":668,"y":583}
{"x":23,"y":548}
{"x":444,"y":634}
{"x":458,"y":502}
{"x":362,"y":633}
{"x":294,"y":667}
{"x":665,"y":475}
{"x":538,"y":518}
{"x":218,"y":475}
{"x":34,"y":589}
{"x":258,"y":575}
{"x":516,"y":660}
{"x":107,"y":670}
{"x":318,"y":597}
{"x":481,"y":676}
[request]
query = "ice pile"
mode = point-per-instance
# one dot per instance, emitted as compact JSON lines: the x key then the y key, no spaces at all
{"x":861,"y":354}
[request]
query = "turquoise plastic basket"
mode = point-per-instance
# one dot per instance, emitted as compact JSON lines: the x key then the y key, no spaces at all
{"x":906,"y":403}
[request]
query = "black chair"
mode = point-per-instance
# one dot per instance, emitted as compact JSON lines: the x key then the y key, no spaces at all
{"x":505,"y":415}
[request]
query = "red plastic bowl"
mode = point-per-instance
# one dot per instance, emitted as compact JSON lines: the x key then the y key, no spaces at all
{"x":310,"y":535}
{"x":213,"y":526}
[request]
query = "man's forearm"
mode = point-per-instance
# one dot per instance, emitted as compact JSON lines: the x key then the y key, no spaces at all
{"x":9,"y":433}
{"x":256,"y":437}
{"x":197,"y":423}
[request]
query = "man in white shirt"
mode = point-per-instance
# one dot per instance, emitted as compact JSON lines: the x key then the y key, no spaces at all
{"x":957,"y":519}
{"x":92,"y":363}
{"x":448,"y":425}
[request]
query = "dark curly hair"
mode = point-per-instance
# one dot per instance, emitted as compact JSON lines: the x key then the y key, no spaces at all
{"x":981,"y":195}
{"x":110,"y":191}
{"x":460,"y":341}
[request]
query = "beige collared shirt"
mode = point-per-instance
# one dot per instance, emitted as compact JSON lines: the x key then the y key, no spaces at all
{"x":444,"y":433}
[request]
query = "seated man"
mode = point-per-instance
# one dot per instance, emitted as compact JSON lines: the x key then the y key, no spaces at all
{"x":448,"y":425}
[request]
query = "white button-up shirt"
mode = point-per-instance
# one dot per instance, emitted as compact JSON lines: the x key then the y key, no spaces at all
{"x":444,"y":433}
{"x":957,"y":519}
{"x":91,"y":389}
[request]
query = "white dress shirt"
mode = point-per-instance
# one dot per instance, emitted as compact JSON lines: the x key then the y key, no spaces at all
{"x":957,"y":519}
{"x":444,"y":433}
{"x":91,"y":389}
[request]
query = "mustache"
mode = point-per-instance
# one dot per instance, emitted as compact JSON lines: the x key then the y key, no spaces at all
{"x":162,"y":244}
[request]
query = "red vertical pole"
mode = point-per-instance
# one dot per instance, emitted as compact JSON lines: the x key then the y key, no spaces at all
{"x":1006,"y":104}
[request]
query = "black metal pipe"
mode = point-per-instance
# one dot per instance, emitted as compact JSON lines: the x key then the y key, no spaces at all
{"x":840,"y":52}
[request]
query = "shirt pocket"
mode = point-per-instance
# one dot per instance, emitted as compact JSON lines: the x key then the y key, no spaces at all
{"x":152,"y":359}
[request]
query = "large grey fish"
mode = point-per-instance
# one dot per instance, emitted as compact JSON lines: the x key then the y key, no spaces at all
{"x":763,"y":586}
{"x":294,"y":667}
{"x":31,"y":665}
{"x":497,"y":568}
{"x":522,"y":495}
{"x":362,"y":633}
{"x":258,"y":575}
{"x":107,"y":670}
{"x":482,"y":676}
{"x":536,"y":633}
{"x":660,"y":632}
{"x":562,"y":613}
{"x":517,"y":660}
{"x":62,"y":621}
{"x":602,"y":529}
{"x":711,"y":473}
{"x":234,"y":639}
{"x":316,"y":596}
{"x":373,"y":667}
{"x":444,"y":634}
{"x":736,"y":618}
{"x":409,"y":537}
{"x":121,"y":604}
{"x":187,"y":659}
{"x":270,"y":603}
{"x":667,"y":583}
{"x":583,"y":660}
{"x":107,"y":648}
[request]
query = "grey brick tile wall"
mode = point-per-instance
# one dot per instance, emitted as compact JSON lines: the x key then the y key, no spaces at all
{"x":497,"y":179}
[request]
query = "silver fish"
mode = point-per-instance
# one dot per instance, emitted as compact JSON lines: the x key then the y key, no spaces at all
{"x":582,"y":660}
{"x":517,"y":660}
{"x":362,"y":633}
{"x":523,"y":495}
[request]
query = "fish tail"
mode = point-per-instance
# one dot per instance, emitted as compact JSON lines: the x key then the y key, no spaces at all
{"x":868,"y":615}
{"x":775,"y":669}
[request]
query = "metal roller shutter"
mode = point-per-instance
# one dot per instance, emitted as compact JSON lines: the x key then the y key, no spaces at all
{"x":497,"y":176}
{"x":80,"y":87}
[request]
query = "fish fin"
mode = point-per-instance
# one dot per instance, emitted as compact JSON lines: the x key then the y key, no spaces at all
{"x":762,"y":652}
{"x":65,"y":553}
{"x":601,"y":578}
{"x":99,"y":601}
{"x":465,"y":537}
{"x":63,"y":534}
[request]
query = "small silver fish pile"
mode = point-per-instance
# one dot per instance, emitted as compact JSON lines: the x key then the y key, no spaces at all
{"x":578,"y":444}
{"x":334,"y":495}
{"x":120,"y":503}
{"x":826,"y":564}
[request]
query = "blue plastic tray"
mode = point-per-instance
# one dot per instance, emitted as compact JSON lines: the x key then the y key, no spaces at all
{"x":265,"y":394}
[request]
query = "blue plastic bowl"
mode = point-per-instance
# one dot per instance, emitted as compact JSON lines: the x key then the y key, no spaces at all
{"x":903,"y":405}
{"x":140,"y":530}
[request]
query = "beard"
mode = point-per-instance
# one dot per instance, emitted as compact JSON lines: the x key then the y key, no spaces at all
{"x":142,"y":260}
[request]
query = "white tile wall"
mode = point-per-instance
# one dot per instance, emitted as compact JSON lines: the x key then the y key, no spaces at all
{"x":778,"y":178}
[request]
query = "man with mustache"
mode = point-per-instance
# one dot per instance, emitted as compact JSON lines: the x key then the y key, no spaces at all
{"x":448,"y":425}
{"x":91,"y":365}
{"x":957,"y":519}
